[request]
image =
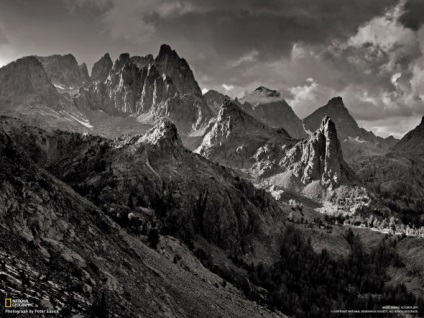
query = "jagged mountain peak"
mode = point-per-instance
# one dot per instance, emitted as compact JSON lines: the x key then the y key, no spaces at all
{"x":412,"y":142}
{"x":22,"y":77}
{"x":215,"y":100}
{"x":124,"y":58}
{"x":101,"y":68}
{"x":237,"y":118}
{"x":328,"y":126}
{"x":166,"y":50}
{"x":266,"y":92}
{"x":165,"y":129}
{"x":268,"y":106}
{"x":62,"y":70}
{"x":177,"y":68}
{"x":84,"y":73}
{"x":354,"y":139}
{"x":336,"y":101}
{"x":164,"y":138}
{"x":142,"y":61}
{"x":317,"y":162}
{"x":335,"y":108}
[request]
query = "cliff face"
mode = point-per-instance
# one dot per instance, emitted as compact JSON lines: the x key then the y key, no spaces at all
{"x":235,"y":137}
{"x":25,"y":81}
{"x":319,"y":158}
{"x":169,"y":63}
{"x":148,"y":88}
{"x":355,"y":141}
{"x":27,"y":93}
{"x":269,"y":107}
{"x":101,"y":68}
{"x":63,"y":70}
{"x":215,"y":100}
{"x":84,"y":73}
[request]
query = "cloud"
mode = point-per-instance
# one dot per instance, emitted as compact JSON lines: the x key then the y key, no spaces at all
{"x":228,"y":87}
{"x":247,"y":58}
{"x":3,"y":38}
{"x":412,"y":17}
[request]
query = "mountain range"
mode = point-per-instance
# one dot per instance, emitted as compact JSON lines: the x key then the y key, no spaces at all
{"x":132,"y":192}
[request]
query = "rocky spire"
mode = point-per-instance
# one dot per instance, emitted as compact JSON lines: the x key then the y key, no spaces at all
{"x":142,"y":61}
{"x":84,"y":73}
{"x":319,"y":158}
{"x":165,"y":139}
{"x":169,"y":63}
{"x":101,"y":68}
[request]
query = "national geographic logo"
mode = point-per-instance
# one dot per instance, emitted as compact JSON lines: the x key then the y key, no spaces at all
{"x":8,"y":303}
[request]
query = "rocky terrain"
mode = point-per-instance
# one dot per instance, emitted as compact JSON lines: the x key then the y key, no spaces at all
{"x":129,"y":95}
{"x":28,"y":93}
{"x":397,"y":176}
{"x":83,"y":234}
{"x":236,"y":137}
{"x":215,"y":100}
{"x":147,"y":89}
{"x":269,"y":107}
{"x":314,"y":166}
{"x":355,"y":141}
{"x":64,"y":71}
{"x":103,"y":200}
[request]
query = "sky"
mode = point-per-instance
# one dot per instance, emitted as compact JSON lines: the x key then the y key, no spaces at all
{"x":371,"y":53}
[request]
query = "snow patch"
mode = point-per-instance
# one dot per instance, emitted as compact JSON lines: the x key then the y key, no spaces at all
{"x":83,"y":122}
{"x":356,"y":139}
{"x":60,"y":86}
{"x":306,"y":130}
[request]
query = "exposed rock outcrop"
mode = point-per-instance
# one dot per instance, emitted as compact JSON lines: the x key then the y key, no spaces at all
{"x":355,"y":141}
{"x":319,"y":157}
{"x":215,"y":100}
{"x":84,"y":73}
{"x":70,"y":248}
{"x":188,"y":193}
{"x":269,"y":107}
{"x":150,"y":89}
{"x":235,"y":137}
{"x":27,"y":93}
{"x":62,"y":70}
{"x":101,"y":68}
{"x":26,"y":82}
{"x":412,"y":142}
{"x":168,"y":62}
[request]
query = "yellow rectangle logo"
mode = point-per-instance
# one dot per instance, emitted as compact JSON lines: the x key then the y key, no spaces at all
{"x":8,"y":303}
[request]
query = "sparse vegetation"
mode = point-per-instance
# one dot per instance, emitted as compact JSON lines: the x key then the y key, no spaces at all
{"x":306,"y":284}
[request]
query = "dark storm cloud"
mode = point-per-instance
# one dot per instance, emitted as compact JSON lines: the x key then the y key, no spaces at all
{"x":239,"y":26}
{"x":369,"y":52}
{"x":413,"y":17}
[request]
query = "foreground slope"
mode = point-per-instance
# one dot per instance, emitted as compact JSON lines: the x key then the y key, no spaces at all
{"x":154,"y":172}
{"x":62,"y":251}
